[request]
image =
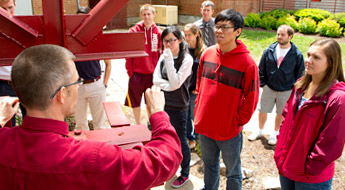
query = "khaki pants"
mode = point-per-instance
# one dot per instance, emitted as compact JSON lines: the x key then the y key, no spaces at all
{"x":93,"y":94}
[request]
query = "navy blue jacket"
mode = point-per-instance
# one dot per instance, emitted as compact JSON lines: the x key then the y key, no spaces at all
{"x":284,"y":77}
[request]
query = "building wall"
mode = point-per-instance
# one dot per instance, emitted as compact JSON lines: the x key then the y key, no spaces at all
{"x":186,"y":8}
{"x":192,"y":7}
{"x":190,"y":10}
{"x":242,"y":6}
{"x":70,"y":6}
{"x":267,"y":5}
{"x":133,"y":7}
{"x":333,"y":6}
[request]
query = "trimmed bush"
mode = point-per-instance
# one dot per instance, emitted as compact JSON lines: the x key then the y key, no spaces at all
{"x":289,"y":20}
{"x":342,"y":22}
{"x":337,"y":16}
{"x":279,"y":13}
{"x":252,"y":20}
{"x":307,"y":25}
{"x":316,"y":14}
{"x":267,"y":22}
{"x":329,"y":28}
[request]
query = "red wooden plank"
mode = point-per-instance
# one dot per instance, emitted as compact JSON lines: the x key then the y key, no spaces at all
{"x":126,"y":137}
{"x":121,"y":135}
{"x":115,"y":114}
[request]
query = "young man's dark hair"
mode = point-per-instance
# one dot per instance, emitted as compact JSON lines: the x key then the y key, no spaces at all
{"x":231,"y":15}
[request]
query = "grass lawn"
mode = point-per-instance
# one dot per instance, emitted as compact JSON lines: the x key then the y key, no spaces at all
{"x":258,"y":41}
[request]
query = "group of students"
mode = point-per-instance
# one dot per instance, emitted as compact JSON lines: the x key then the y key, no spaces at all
{"x":181,"y":64}
{"x":226,"y":83}
{"x":316,"y":142}
{"x":172,"y":65}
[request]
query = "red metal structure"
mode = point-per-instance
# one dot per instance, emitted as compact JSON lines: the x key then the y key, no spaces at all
{"x":81,"y":34}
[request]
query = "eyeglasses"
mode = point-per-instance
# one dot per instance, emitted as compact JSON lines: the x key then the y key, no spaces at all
{"x":79,"y":82}
{"x":170,"y":41}
{"x":223,"y":27}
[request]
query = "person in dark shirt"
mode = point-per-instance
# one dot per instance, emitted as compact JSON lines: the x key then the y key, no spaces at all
{"x":206,"y":23}
{"x":280,"y":66}
{"x":92,"y":92}
{"x":193,"y":36}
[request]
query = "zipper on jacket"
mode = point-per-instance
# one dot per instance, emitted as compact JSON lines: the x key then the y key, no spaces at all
{"x":298,"y":99}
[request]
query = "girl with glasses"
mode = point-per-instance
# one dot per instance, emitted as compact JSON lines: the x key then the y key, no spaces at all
{"x":172,"y":75}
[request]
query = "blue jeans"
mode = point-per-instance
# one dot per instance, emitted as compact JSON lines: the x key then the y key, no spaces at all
{"x":178,"y":119}
{"x":190,"y":127}
{"x":287,"y":184}
{"x":231,"y":151}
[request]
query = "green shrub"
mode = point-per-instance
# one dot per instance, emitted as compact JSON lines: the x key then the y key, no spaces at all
{"x":307,"y":25}
{"x":279,"y":13}
{"x":342,"y":22}
{"x":289,"y":20}
{"x":329,"y":28}
{"x":268,"y":22}
{"x":252,"y":20}
{"x":337,"y":16}
{"x":316,"y":14}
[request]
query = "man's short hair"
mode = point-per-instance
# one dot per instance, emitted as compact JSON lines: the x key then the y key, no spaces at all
{"x":38,"y":71}
{"x":207,"y":4}
{"x":288,"y":28}
{"x":147,"y":7}
{"x":230,"y":15}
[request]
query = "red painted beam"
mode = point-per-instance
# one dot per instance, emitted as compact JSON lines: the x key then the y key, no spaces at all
{"x":99,"y":16}
{"x":20,"y":32}
{"x":20,"y":39}
{"x":16,"y":31}
{"x":53,"y":22}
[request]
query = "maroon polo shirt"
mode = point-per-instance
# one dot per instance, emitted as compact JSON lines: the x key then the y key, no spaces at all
{"x":40,"y":155}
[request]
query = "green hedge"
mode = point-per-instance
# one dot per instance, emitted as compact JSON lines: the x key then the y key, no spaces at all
{"x":289,"y":20}
{"x":279,"y":13}
{"x":316,"y":14}
{"x":303,"y":20}
{"x":252,"y":20}
{"x":342,"y":22}
{"x":329,"y":28}
{"x":307,"y":25}
{"x":267,"y":22}
{"x":337,"y":16}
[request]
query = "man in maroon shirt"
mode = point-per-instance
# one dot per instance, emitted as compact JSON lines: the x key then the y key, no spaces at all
{"x":39,"y":154}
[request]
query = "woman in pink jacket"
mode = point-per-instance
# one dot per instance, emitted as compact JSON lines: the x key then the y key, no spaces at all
{"x":312,"y":134}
